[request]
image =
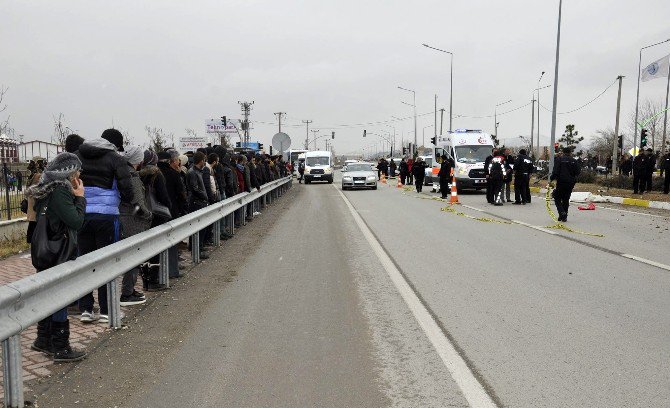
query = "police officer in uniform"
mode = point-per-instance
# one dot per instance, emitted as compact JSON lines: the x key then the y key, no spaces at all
{"x":665,"y":167}
{"x":523,"y":167}
{"x":445,"y":174}
{"x":566,"y":170}
{"x":498,"y":169}
{"x":487,"y":165}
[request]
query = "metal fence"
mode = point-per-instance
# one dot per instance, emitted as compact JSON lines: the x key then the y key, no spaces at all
{"x":13,"y":184}
{"x":27,"y":301}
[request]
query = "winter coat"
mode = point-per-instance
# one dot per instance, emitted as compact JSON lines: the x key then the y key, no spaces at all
{"x":220,"y":176}
{"x":419,"y":170}
{"x":210,"y":184}
{"x":650,"y":165}
{"x":32,"y":214}
{"x":259,"y":174}
{"x":523,"y":165}
{"x":176,"y":189}
{"x":247,"y":178}
{"x":640,"y":164}
{"x":445,"y":170}
{"x":240,"y":178}
{"x":62,"y":206}
{"x":197,"y":195}
{"x":665,"y":163}
{"x":153,"y":178}
{"x":566,"y":170}
{"x":255,"y":184}
{"x":134,"y":216}
{"x":106,"y":177}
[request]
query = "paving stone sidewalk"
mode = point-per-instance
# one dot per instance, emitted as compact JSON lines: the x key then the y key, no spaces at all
{"x":35,"y":363}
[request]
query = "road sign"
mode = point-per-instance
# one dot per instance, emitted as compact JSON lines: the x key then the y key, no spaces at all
{"x":215,"y":126}
{"x":281,"y":142}
{"x":188,"y":143}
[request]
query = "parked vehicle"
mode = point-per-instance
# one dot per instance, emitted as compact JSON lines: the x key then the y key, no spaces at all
{"x":469,"y":149}
{"x":318,"y":166}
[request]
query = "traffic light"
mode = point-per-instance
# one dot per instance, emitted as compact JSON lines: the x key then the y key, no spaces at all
{"x":224,"y":121}
{"x":643,"y":138}
{"x":620,"y":142}
{"x":332,"y":136}
{"x":555,"y":147}
{"x":260,"y":146}
{"x":364,"y":132}
{"x":404,"y":151}
{"x":433,"y":140}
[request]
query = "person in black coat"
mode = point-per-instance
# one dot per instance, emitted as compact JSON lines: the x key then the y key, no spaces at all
{"x":566,"y":170}
{"x":665,"y":168}
{"x":650,"y":168}
{"x":403,"y":169}
{"x":419,"y":172}
{"x":169,"y":166}
{"x":445,"y":175}
{"x":639,"y":173}
{"x":523,"y":167}
{"x":487,"y":165}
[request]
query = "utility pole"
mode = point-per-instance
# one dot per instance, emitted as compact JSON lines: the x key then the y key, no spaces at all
{"x":246,"y":111}
{"x":555,"y":109}
{"x":665,"y":115}
{"x":441,"y":120}
{"x":307,"y":122}
{"x":615,"y":149}
{"x":435,"y":124}
{"x":532,"y":126}
{"x":315,"y":131}
{"x":279,"y":115}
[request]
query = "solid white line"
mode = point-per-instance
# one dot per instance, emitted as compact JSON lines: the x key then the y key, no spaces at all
{"x":599,"y":205}
{"x":472,"y":390}
{"x":647,"y":261}
{"x":535,"y":227}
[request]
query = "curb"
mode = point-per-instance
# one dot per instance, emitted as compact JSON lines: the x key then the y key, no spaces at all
{"x":637,"y":202}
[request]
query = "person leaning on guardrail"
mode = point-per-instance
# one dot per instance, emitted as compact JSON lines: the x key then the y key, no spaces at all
{"x":135,"y":217}
{"x":107,"y":179}
{"x":197,"y":196}
{"x":61,"y":206}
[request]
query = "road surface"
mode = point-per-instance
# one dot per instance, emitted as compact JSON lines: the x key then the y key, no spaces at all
{"x":380,"y":298}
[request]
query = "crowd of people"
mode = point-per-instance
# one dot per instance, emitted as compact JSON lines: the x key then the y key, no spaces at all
{"x":102,"y":190}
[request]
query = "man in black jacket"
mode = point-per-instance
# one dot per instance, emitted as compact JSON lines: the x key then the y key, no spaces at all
{"x":106,"y":177}
{"x":197,"y":195}
{"x":419,"y":171}
{"x":639,"y":173}
{"x":487,"y":165}
{"x":170,"y":166}
{"x":566,"y":170}
{"x":650,"y":168}
{"x":446,"y":168}
{"x":523,"y":167}
{"x":665,"y":167}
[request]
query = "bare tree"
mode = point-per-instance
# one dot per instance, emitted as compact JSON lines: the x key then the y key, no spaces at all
{"x":127,"y":139}
{"x":650,"y":118}
{"x":4,"y":124}
{"x":158,"y":139}
{"x":602,"y":144}
{"x":61,"y":130}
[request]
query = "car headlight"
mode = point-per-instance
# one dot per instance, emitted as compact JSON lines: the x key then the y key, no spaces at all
{"x":346,"y":178}
{"x":328,"y":170}
{"x":372,"y":178}
{"x":462,"y":171}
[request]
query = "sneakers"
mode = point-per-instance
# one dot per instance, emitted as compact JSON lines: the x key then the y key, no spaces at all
{"x":256,"y":214}
{"x":132,"y":300}
{"x":105,"y":318}
{"x":204,"y":255}
{"x":88,"y":317}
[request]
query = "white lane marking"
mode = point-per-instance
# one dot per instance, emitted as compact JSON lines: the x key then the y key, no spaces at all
{"x":535,"y":227}
{"x":472,"y":390}
{"x":472,"y":208}
{"x":647,"y":261}
{"x":632,"y":212}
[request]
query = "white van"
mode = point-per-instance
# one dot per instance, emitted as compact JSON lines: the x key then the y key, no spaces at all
{"x":318,"y":166}
{"x":469,"y":149}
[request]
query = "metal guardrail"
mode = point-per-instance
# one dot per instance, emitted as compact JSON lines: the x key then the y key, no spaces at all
{"x":31,"y":299}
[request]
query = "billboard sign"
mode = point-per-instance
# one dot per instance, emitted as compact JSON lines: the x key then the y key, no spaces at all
{"x":215,"y":126}
{"x":188,"y":143}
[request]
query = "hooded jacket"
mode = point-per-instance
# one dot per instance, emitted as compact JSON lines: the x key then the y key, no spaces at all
{"x":230,"y":175}
{"x":106,"y":177}
{"x":176,"y":189}
{"x":152,"y":178}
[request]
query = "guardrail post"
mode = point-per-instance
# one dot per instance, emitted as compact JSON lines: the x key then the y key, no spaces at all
{"x":113,"y":305}
{"x":244,"y":214}
{"x":216,"y":227}
{"x":195,"y":247}
{"x":12,"y":371}
{"x":164,"y":268}
{"x":231,"y":223}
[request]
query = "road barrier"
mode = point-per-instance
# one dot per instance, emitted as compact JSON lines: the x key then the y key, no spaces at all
{"x":31,"y":299}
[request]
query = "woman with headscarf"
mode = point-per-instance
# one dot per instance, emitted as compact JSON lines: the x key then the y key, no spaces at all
{"x":60,"y":204}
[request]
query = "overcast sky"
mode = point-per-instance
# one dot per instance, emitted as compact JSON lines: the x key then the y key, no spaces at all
{"x":174,"y":64}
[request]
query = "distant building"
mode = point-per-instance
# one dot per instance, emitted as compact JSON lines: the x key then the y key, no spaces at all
{"x":45,"y":150}
{"x":8,"y":150}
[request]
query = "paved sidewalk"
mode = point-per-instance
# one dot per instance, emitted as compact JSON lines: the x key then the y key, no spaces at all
{"x":35,"y":363}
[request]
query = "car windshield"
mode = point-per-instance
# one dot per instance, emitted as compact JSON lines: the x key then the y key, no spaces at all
{"x":429,"y":161}
{"x":359,"y":167}
{"x":318,"y":161}
{"x":472,"y":154}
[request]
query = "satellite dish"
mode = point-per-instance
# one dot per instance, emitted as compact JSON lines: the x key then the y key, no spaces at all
{"x":281,"y":142}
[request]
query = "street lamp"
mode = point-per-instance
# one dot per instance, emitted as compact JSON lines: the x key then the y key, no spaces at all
{"x":538,"y":116}
{"x":495,"y":117}
{"x":637,"y":100}
{"x":451,"y":83}
{"x":555,"y":105}
{"x":415,"y":132}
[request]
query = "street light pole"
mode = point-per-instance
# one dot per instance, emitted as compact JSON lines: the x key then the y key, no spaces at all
{"x":415,"y":132}
{"x":554,"y":111}
{"x":615,"y":149}
{"x":451,"y":84}
{"x":495,"y":117}
{"x":637,"y":98}
{"x":538,"y":113}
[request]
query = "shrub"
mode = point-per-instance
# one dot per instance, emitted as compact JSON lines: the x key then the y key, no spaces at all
{"x":587,"y":176}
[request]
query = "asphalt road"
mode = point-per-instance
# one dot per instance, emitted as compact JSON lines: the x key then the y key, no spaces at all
{"x":380,"y":298}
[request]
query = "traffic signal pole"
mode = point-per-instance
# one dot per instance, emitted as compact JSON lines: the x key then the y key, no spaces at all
{"x":615,"y":149}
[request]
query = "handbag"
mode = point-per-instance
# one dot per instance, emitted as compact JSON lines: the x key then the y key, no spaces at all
{"x":24,"y":206}
{"x":50,"y":248}
{"x":156,"y":207}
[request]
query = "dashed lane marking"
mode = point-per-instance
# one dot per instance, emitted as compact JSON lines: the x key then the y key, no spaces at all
{"x":472,"y":389}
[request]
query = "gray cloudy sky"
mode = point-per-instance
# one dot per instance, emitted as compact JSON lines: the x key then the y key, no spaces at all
{"x":173,"y":64}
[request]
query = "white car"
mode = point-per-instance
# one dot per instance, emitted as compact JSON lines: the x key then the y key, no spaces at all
{"x":359,"y":175}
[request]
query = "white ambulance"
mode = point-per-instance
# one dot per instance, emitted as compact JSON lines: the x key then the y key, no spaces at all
{"x":469,"y":149}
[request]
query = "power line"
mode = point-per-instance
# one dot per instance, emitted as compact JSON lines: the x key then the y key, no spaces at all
{"x":586,"y":104}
